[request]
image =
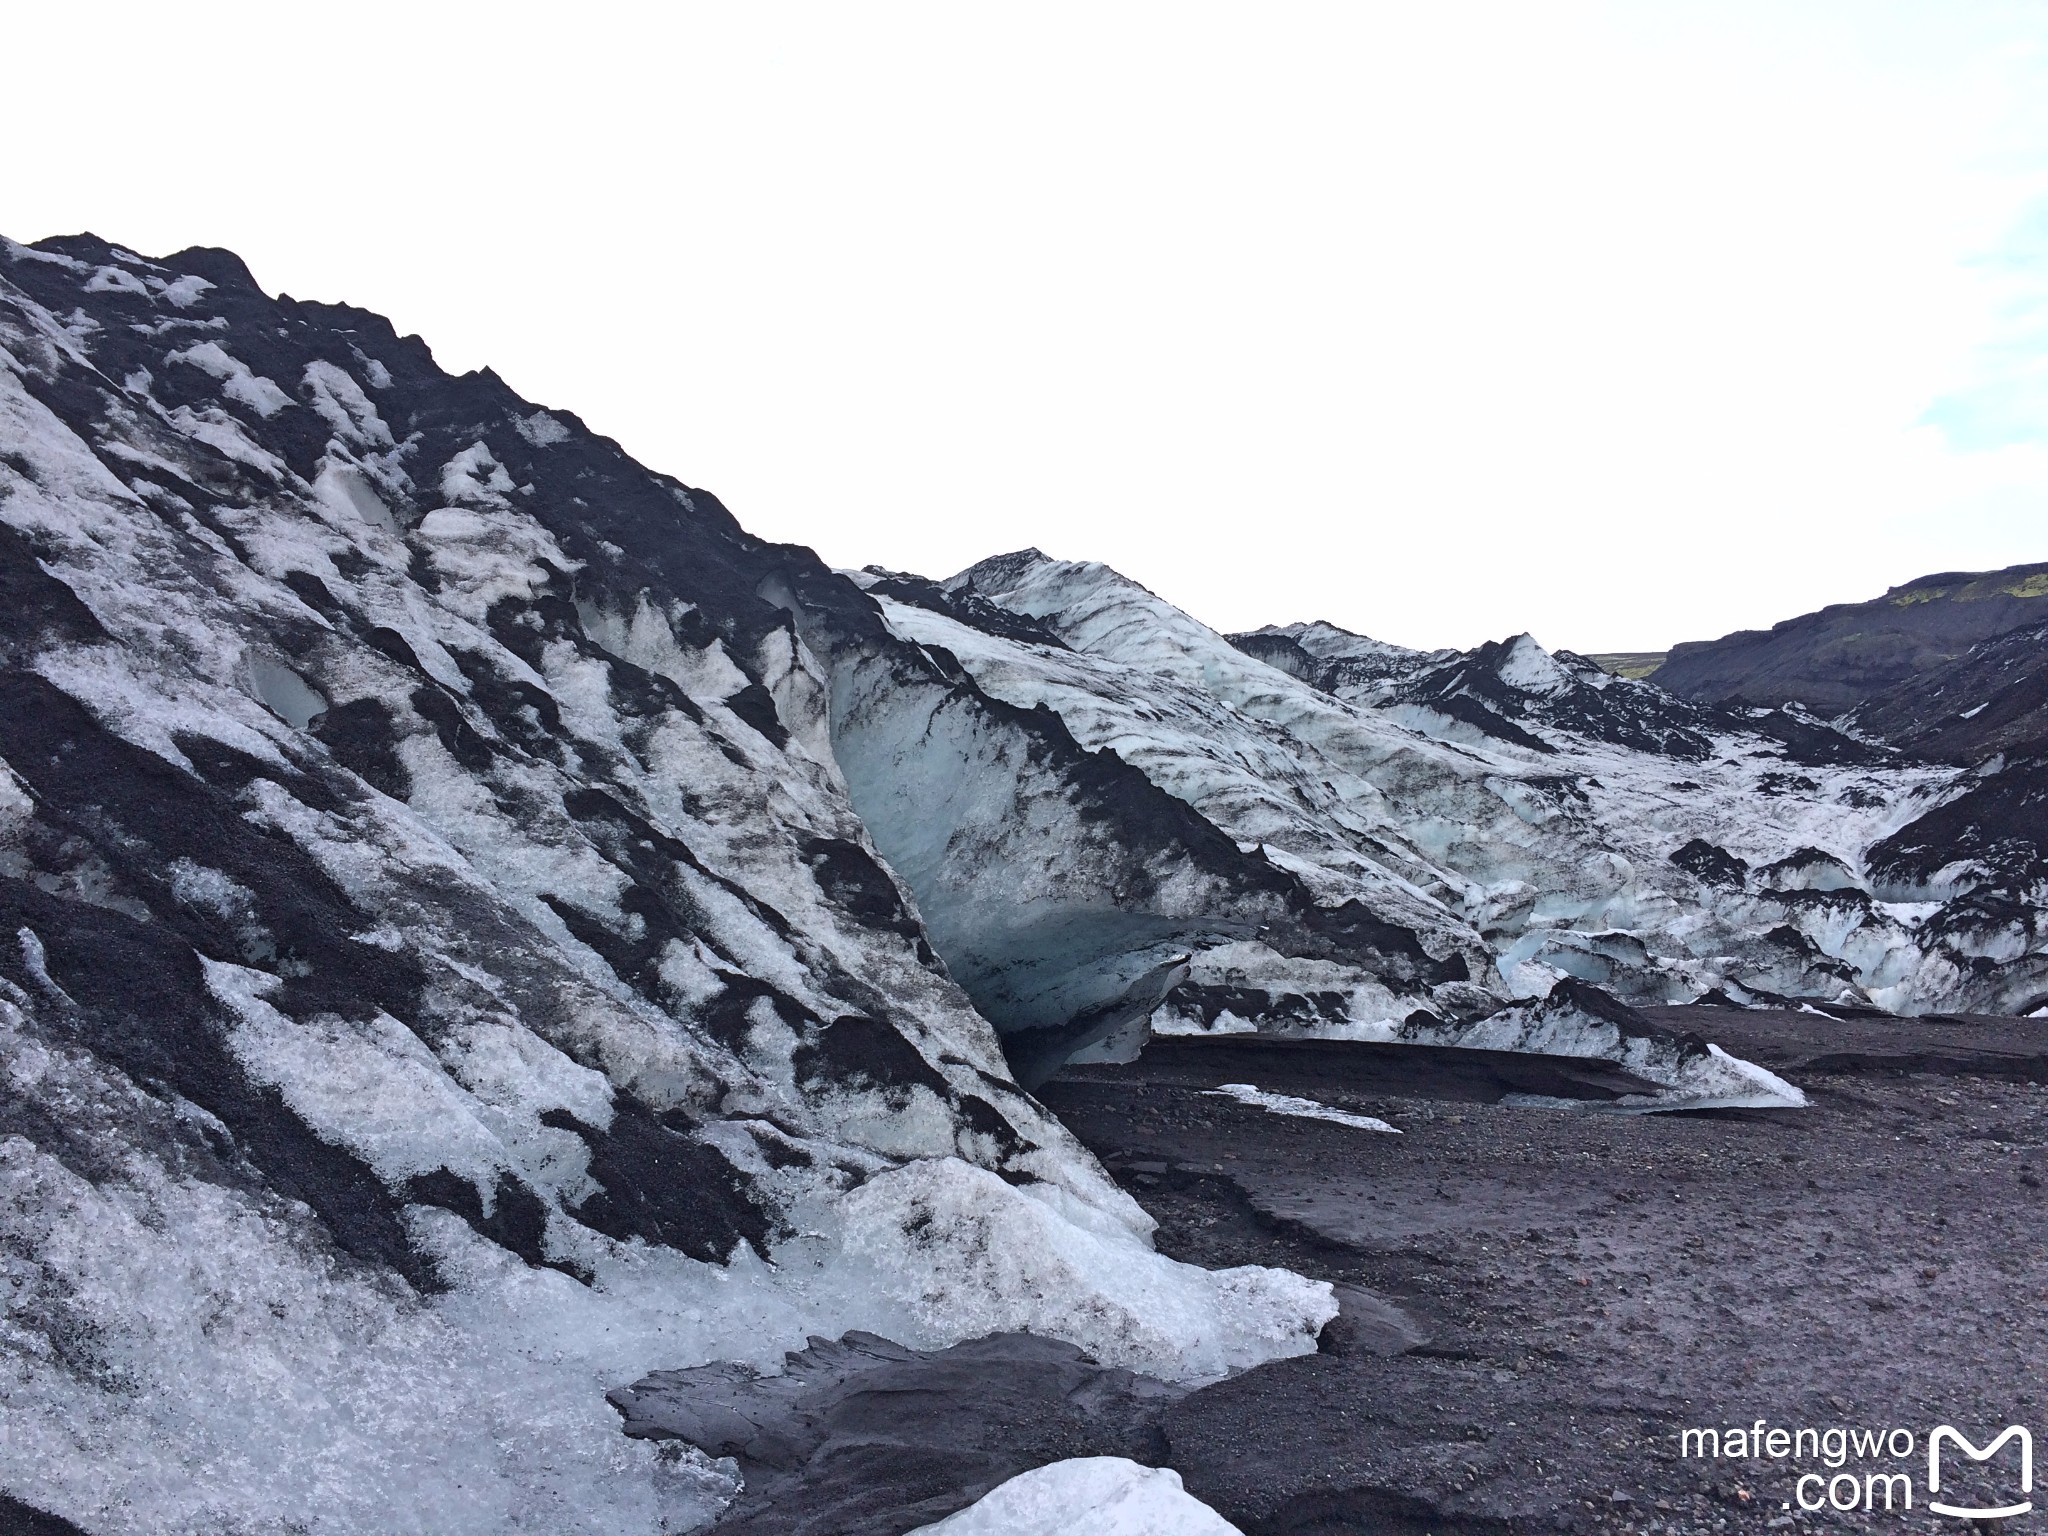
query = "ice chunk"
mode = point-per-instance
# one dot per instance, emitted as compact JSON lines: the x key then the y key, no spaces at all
{"x":1574,"y":1019}
{"x":1088,"y":1496}
{"x":1305,"y":1109}
{"x":969,"y":1254}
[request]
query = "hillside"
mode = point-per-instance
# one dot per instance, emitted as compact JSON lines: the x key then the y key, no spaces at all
{"x":1844,"y":655}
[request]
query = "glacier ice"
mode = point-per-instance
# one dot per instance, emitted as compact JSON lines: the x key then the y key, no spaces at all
{"x":965,"y":1253}
{"x":1522,"y":808}
{"x":1087,"y":1496}
{"x":452,"y":975}
{"x":486,"y":926}
{"x":1303,"y":1109}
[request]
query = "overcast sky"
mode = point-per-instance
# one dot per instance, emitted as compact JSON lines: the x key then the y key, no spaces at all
{"x":1618,"y":323}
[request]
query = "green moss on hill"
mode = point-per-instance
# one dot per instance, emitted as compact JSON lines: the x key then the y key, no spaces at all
{"x":1635,"y":664}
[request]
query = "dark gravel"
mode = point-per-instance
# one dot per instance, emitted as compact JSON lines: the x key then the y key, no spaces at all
{"x":1589,"y":1284}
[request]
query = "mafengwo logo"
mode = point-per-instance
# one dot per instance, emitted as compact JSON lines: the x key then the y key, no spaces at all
{"x":2013,"y":1432}
{"x":1839,"y":1486}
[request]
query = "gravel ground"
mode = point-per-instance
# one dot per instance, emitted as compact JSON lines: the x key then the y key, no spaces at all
{"x":1586,"y":1285}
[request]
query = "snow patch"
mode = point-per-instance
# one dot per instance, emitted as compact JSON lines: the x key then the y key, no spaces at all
{"x":541,"y":429}
{"x":227,"y":436}
{"x":115,"y":280}
{"x":474,"y":477}
{"x":484,"y":557}
{"x":340,"y":402}
{"x":237,"y":380}
{"x":19,"y":252}
{"x":184,"y":292}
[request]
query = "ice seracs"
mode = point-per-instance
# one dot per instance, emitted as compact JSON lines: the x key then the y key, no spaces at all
{"x":1523,"y":811}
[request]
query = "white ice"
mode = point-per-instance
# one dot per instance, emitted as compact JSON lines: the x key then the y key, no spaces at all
{"x":1087,"y":1496}
{"x":1304,"y":1109}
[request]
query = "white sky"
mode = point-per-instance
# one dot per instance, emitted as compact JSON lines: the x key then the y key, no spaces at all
{"x":1619,"y":323}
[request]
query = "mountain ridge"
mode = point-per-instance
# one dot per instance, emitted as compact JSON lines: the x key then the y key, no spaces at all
{"x":1841,"y":656}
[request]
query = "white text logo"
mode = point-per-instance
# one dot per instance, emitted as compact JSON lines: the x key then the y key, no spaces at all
{"x":2014,"y":1432}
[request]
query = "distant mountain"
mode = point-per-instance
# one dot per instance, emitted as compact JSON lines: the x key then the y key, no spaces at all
{"x":1845,"y":655}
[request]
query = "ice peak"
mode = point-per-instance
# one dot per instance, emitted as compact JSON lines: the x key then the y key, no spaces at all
{"x":999,"y":571}
{"x":1529,"y":667}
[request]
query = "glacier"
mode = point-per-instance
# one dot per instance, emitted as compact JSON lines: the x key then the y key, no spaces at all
{"x":480,"y":925}
{"x":446,"y":970}
{"x":1524,"y":815}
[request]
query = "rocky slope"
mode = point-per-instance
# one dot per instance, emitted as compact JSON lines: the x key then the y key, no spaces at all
{"x":1991,"y":699}
{"x":1841,"y":656}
